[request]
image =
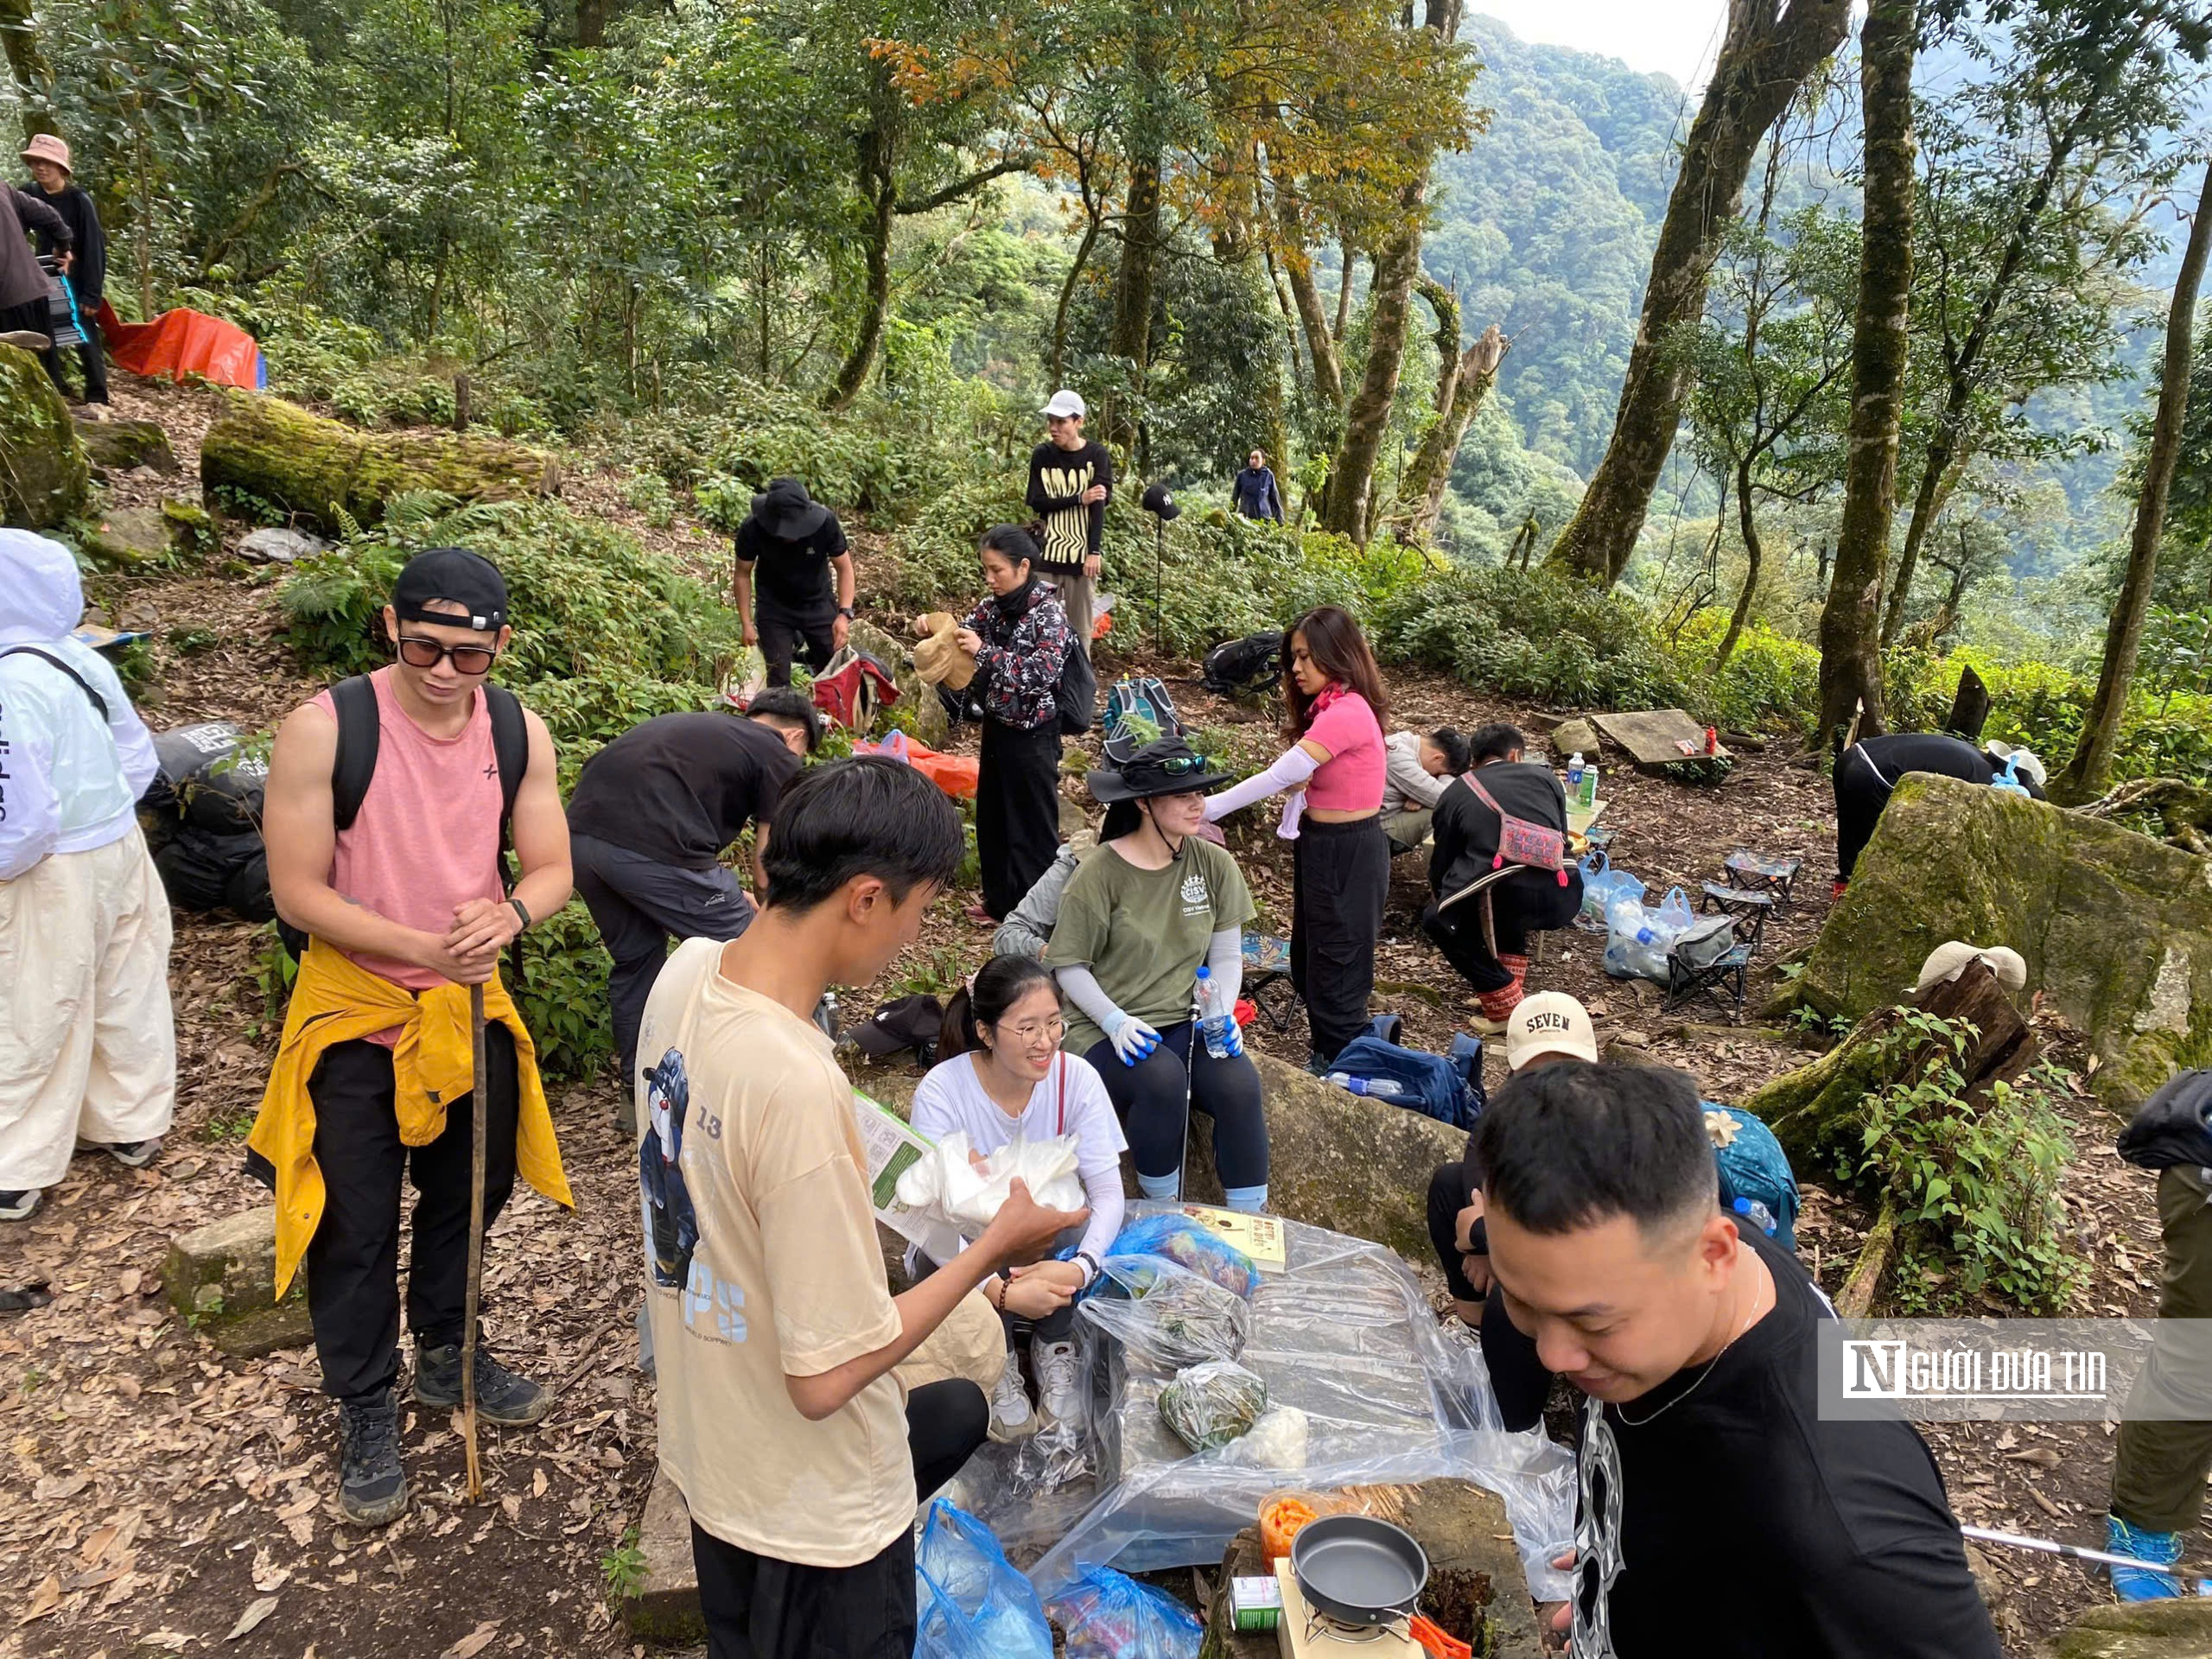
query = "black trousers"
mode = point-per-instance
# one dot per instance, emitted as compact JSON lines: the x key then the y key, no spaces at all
{"x":1017,"y":810}
{"x":90,"y":357}
{"x":638,"y":904}
{"x":1340,"y":877}
{"x":758,"y":1607}
{"x":1149,"y":1097}
{"x":1517,"y":1376}
{"x":352,"y":1260}
{"x":786,"y":633}
{"x":1522,"y":905}
{"x":1860,"y":795}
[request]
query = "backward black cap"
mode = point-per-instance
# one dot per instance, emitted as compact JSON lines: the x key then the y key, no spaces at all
{"x":457,"y":577}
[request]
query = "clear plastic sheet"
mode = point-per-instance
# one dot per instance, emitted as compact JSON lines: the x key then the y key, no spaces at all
{"x":1164,"y":1314}
{"x":1344,"y":1336}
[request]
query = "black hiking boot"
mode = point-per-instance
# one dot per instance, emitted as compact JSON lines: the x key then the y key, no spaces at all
{"x":372,"y":1487}
{"x":502,"y":1397}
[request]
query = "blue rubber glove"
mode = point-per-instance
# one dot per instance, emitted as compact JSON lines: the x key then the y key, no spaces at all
{"x":1133,"y":1039}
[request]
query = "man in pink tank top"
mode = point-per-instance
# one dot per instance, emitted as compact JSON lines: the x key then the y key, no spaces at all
{"x":412,"y":892}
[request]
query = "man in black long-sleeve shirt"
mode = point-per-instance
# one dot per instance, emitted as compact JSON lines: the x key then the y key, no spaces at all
{"x":1704,"y":1456}
{"x":54,"y":184}
{"x":23,"y":318}
{"x":1070,"y":479}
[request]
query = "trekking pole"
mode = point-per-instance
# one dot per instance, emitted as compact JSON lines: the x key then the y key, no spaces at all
{"x":1189,"y":1070}
{"x":477,"y":1079}
{"x":2074,"y":1552}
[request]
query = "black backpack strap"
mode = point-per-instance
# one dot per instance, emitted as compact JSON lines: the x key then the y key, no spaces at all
{"x":510,"y":744}
{"x":83,"y":684}
{"x":359,"y":732}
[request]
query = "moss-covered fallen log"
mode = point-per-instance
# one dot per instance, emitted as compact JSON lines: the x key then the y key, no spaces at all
{"x":315,"y":469}
{"x":1819,"y":1110}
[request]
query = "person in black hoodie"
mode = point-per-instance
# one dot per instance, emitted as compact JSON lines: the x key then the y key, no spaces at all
{"x":794,"y":545}
{"x":53,"y":184}
{"x":1868,"y":770}
{"x":1253,"y":493}
{"x":1070,"y":479}
{"x":1466,"y":830}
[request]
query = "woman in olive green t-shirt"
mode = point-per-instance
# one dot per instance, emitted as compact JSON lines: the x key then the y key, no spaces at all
{"x":1139,"y":918}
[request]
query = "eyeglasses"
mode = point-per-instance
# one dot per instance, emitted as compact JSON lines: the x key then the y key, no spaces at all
{"x":1049,"y":1033}
{"x":1180,"y":766}
{"x":418,"y":652}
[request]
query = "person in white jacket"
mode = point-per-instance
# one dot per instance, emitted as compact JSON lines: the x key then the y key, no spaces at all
{"x":87,"y":1045}
{"x":1417,"y":767}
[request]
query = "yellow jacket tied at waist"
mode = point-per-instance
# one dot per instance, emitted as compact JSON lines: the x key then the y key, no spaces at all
{"x":335,"y":1000}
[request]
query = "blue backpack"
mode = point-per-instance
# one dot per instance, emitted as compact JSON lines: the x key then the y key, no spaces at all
{"x":1447,"y":1089}
{"x":1753,"y":1166}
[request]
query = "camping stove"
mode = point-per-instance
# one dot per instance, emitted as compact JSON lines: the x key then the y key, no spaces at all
{"x":1306,"y":1634}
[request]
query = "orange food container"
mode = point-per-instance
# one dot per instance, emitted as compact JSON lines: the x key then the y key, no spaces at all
{"x":1282,"y":1516}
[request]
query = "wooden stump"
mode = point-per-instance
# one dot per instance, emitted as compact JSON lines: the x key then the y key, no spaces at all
{"x":315,"y":469}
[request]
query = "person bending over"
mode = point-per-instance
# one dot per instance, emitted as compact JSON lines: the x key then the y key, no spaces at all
{"x":774,"y":1328}
{"x":1868,"y":770}
{"x":1419,"y":767}
{"x":1143,"y":914}
{"x":1468,"y":829}
{"x":1696,"y":1347}
{"x":1004,"y":1075}
{"x":647,"y":824}
{"x":794,"y":548}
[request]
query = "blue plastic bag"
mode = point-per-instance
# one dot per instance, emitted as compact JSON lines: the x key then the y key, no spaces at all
{"x":969,"y":1601}
{"x":1188,"y":1244}
{"x":1108,"y":1614}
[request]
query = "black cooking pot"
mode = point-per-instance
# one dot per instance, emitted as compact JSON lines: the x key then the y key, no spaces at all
{"x":1358,"y":1570}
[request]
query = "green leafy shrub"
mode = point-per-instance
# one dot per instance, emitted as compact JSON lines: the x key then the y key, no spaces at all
{"x":1976,"y":1183}
{"x":561,"y":986}
{"x":1770,"y":681}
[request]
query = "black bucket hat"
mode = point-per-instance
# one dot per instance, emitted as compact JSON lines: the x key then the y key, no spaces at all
{"x":787,"y":512}
{"x":910,"y":1022}
{"x":1167,"y":765}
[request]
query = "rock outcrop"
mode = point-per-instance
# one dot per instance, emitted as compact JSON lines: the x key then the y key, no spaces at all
{"x":44,"y":476}
{"x":2179,"y":1629}
{"x":306,"y":465}
{"x":2116,"y":928}
{"x":221,"y":1279}
{"x":119,"y":446}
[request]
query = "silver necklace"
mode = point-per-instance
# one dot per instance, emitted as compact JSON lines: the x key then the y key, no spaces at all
{"x":1628,"y":1422}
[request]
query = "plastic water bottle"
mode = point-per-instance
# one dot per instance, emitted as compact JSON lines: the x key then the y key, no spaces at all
{"x":1756,"y":1213}
{"x":1213,"y":1019}
{"x":1589,"y":785}
{"x":1381,"y":1087}
{"x":1575,"y":777}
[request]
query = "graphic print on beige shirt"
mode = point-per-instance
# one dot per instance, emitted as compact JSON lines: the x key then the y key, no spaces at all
{"x":761,"y":1261}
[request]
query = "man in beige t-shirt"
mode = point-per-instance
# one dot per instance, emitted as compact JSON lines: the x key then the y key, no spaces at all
{"x":773,"y":1329}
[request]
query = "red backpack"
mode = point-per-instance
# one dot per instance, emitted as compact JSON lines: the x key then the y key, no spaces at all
{"x":851,"y":688}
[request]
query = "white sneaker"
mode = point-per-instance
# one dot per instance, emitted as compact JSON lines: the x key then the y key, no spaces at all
{"x":1059,"y":1384}
{"x":1012,"y":1417}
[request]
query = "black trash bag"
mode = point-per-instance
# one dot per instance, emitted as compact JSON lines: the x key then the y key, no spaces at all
{"x":203,"y":781}
{"x":246,"y":892}
{"x":196,"y":867}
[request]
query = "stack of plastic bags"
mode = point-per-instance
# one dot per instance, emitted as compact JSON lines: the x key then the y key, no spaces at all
{"x":947,"y":1183}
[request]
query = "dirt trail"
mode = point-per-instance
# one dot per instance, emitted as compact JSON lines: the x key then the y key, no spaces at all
{"x":160,"y":1495}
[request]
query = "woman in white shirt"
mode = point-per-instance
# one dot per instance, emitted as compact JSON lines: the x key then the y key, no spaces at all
{"x":1418,"y":767}
{"x":1004,"y":1075}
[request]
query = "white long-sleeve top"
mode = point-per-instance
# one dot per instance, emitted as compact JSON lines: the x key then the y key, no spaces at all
{"x":69,"y":780}
{"x":1406,"y":782}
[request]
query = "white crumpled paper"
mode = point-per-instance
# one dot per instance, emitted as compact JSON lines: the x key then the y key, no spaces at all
{"x":946,"y":1183}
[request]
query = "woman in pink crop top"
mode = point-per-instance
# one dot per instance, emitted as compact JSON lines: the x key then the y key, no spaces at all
{"x":1340,"y":861}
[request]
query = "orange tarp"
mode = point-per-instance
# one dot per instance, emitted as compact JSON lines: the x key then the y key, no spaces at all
{"x":182,"y":342}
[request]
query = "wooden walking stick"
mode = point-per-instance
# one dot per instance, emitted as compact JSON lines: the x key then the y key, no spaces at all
{"x":477,"y":1080}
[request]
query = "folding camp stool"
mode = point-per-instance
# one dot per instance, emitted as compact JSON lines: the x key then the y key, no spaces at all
{"x":1267,"y":979}
{"x":1748,"y":904}
{"x":1722,"y":979}
{"x":1761,"y":872}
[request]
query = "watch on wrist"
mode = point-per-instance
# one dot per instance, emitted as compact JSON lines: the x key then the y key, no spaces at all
{"x":846,"y":611}
{"x":522,"y":914}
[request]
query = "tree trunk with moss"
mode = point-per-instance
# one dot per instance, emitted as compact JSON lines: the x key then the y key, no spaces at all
{"x":1133,"y":284}
{"x":33,"y":76}
{"x":1367,"y":417}
{"x":1464,"y":379}
{"x":1818,"y":1110}
{"x":302,"y":464}
{"x":1769,"y":50}
{"x":44,"y":476}
{"x":880,"y":188}
{"x":2090,"y":770}
{"x":1851,"y":619}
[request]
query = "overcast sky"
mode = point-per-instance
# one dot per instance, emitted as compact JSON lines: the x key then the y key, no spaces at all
{"x":1674,"y":37}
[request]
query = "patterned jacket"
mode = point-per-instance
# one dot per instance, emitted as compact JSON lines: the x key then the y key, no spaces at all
{"x":1022,"y":659}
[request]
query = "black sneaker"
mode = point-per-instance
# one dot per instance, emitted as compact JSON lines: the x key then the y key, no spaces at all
{"x":502,"y":1397}
{"x":131,"y":1154}
{"x":372,"y":1487}
{"x":20,"y":1206}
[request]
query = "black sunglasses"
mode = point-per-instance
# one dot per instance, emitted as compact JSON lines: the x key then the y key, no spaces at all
{"x":1178,"y":765}
{"x":426,"y":654}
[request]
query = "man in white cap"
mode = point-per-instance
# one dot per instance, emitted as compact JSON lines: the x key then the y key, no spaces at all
{"x":1546,"y":1028}
{"x":87,"y":1045}
{"x":54,"y":184}
{"x":1070,"y":479}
